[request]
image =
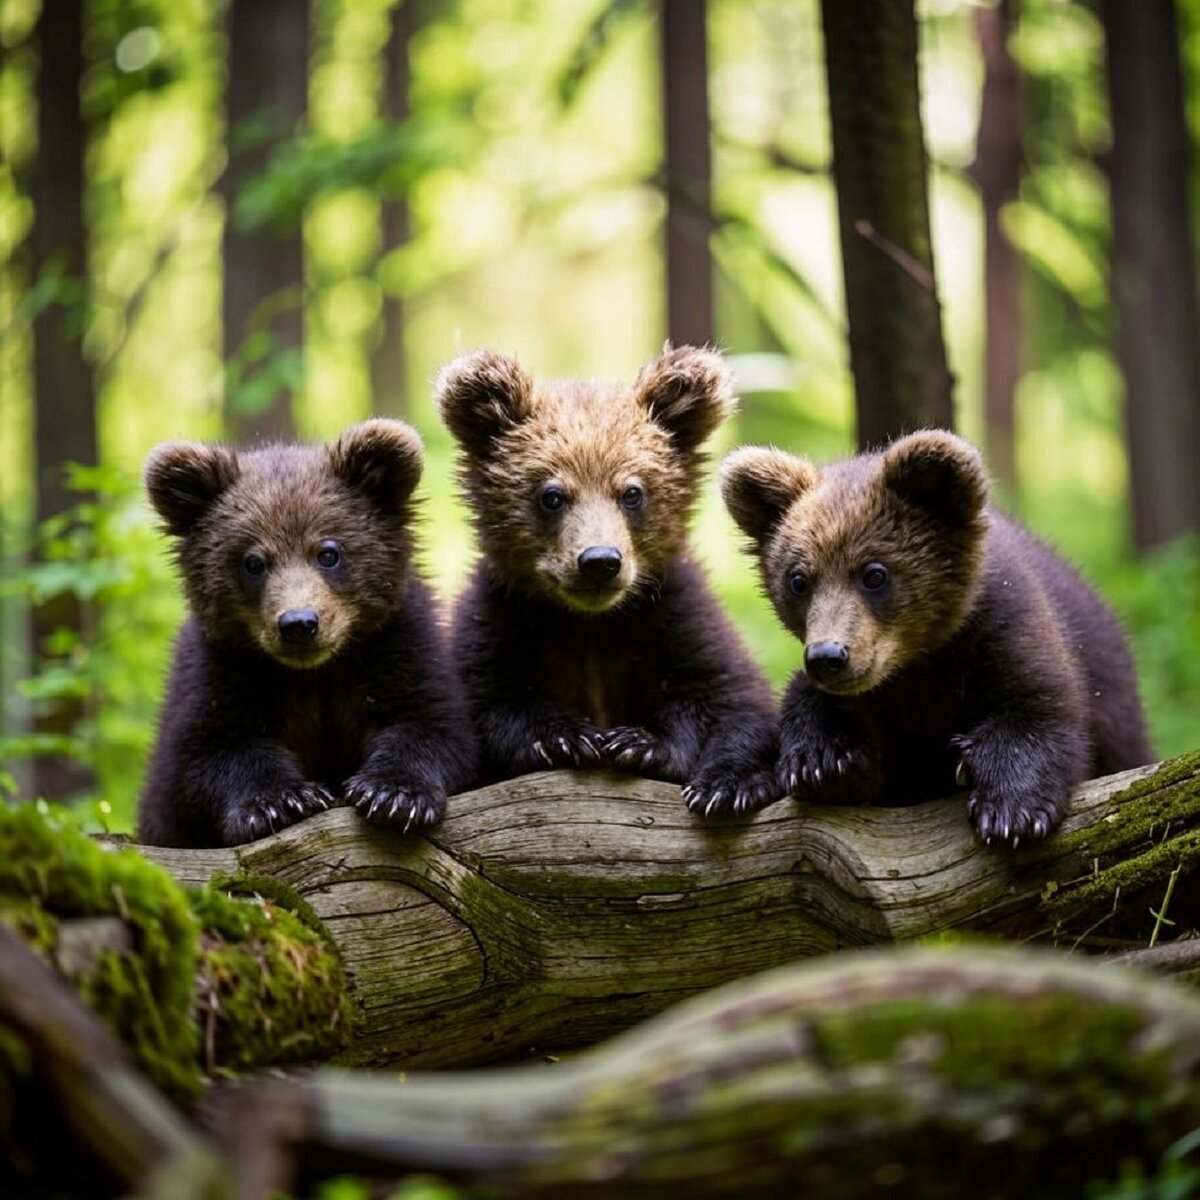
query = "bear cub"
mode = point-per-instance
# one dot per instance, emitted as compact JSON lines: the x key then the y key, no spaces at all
{"x":944,"y":644}
{"x":586,"y":636}
{"x":311,"y":668}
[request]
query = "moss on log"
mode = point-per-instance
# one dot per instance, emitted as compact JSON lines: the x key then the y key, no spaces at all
{"x":191,"y":982}
{"x":553,"y":910}
{"x":932,"y":1072}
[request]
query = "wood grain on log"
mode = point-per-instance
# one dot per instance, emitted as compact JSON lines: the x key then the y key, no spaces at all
{"x":552,"y":910}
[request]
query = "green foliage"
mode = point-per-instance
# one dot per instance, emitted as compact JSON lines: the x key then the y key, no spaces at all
{"x":1176,"y":1178}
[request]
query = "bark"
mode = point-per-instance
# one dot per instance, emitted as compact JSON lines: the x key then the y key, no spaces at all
{"x":64,"y":409}
{"x":688,"y":169}
{"x":264,"y":270}
{"x":901,"y":377}
{"x":997,"y":171}
{"x":552,"y":910}
{"x":933,"y":1072}
{"x":388,"y":380}
{"x":1153,"y":267}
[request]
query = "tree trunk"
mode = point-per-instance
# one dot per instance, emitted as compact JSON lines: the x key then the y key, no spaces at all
{"x":688,"y":169}
{"x":266,"y":97}
{"x":931,"y":1072}
{"x":1153,"y":268}
{"x":901,"y":377}
{"x":388,"y":359}
{"x":64,"y":409}
{"x":552,"y":910}
{"x":997,"y":170}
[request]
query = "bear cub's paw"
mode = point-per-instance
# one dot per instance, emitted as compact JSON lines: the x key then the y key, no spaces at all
{"x":398,"y":802}
{"x":829,"y":770}
{"x":724,"y":791}
{"x":271,"y":810}
{"x":634,"y":748}
{"x":567,"y":744}
{"x":1011,"y":800}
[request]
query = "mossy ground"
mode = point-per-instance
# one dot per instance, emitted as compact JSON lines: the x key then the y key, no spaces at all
{"x":212,"y":984}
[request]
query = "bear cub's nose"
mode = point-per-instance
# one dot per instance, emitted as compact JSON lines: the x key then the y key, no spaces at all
{"x":825,"y":661}
{"x":600,"y":564}
{"x":298,"y":625}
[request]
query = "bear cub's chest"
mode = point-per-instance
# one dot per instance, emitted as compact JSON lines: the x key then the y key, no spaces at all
{"x":326,"y":722}
{"x":610,"y":681}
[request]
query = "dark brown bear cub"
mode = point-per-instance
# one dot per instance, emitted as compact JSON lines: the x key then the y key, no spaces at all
{"x":311,"y":667}
{"x":943,"y":643}
{"x":586,"y":636}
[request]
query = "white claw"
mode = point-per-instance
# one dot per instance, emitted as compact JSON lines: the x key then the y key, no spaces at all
{"x":1016,"y":841}
{"x":412,"y":816}
{"x":816,"y":774}
{"x":540,"y":749}
{"x":960,"y":774}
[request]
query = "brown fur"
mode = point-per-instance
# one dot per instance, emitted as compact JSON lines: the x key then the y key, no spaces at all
{"x":639,"y":671}
{"x":258,"y":731}
{"x":984,"y":658}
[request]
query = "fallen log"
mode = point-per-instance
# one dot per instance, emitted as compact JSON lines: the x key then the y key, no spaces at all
{"x":932,"y":1072}
{"x":553,"y":910}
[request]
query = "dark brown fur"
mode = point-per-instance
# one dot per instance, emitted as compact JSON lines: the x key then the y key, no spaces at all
{"x":984,"y":658}
{"x":257,"y":732}
{"x":643,"y":673}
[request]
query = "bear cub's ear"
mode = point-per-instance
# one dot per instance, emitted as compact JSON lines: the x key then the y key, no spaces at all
{"x":759,"y":485}
{"x":380,"y":459}
{"x":688,"y":391}
{"x":480,"y":395}
{"x":184,"y":478}
{"x":939,"y":472}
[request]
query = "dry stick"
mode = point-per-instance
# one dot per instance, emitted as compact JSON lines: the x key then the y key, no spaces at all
{"x":555,"y":909}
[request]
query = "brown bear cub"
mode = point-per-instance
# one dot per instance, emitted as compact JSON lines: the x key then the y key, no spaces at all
{"x":586,"y":636}
{"x":944,"y":644}
{"x":311,"y":667}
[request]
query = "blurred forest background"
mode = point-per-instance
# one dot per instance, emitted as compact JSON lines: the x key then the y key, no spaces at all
{"x":276,"y":217}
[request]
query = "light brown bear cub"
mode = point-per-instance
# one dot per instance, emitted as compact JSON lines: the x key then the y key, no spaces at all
{"x":586,"y":635}
{"x":944,"y":644}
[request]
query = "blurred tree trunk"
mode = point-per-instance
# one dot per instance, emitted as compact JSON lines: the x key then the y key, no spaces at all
{"x":64,"y":410}
{"x":901,"y":377}
{"x":688,"y":168}
{"x":997,"y":170}
{"x":1153,"y":267}
{"x":266,"y":96}
{"x":388,"y":380}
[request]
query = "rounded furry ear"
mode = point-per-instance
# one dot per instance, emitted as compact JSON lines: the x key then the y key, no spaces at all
{"x":688,"y":391}
{"x":381,"y":459}
{"x":759,"y":485}
{"x":939,"y":472}
{"x":480,"y":395}
{"x":184,"y":478}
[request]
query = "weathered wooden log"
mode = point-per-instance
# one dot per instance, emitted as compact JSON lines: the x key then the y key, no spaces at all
{"x":555,"y":909}
{"x":925,"y":1072}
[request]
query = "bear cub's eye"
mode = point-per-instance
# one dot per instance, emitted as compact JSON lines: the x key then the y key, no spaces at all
{"x":875,"y":577}
{"x":552,"y":499}
{"x":329,"y":554}
{"x":798,"y":583}
{"x":632,"y":497}
{"x":254,"y":564}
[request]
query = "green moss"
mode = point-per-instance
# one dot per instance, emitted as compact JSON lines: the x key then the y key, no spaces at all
{"x":212,"y":981}
{"x":1161,"y":813}
{"x":145,"y":996}
{"x":270,"y":987}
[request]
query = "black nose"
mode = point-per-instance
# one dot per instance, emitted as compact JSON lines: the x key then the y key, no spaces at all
{"x":600,"y":564}
{"x":298,"y":625}
{"x":825,"y":661}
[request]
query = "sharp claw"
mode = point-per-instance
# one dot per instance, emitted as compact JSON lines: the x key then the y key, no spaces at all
{"x":713,"y":803}
{"x":412,"y":816}
{"x":972,"y":805}
{"x":538,"y":748}
{"x":376,"y":803}
{"x":1040,"y":825}
{"x":272,"y":815}
{"x":694,"y":803}
{"x":843,"y":765}
{"x":960,"y":774}
{"x":1016,"y":841}
{"x":816,"y":775}
{"x":806,"y":775}
{"x":987,"y":841}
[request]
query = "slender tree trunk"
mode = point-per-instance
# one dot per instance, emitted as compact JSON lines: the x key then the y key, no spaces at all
{"x":64,"y":392}
{"x":688,"y":168}
{"x":901,"y":377}
{"x":1153,"y":267}
{"x":264,"y":271}
{"x":998,"y":173}
{"x":388,"y":359}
